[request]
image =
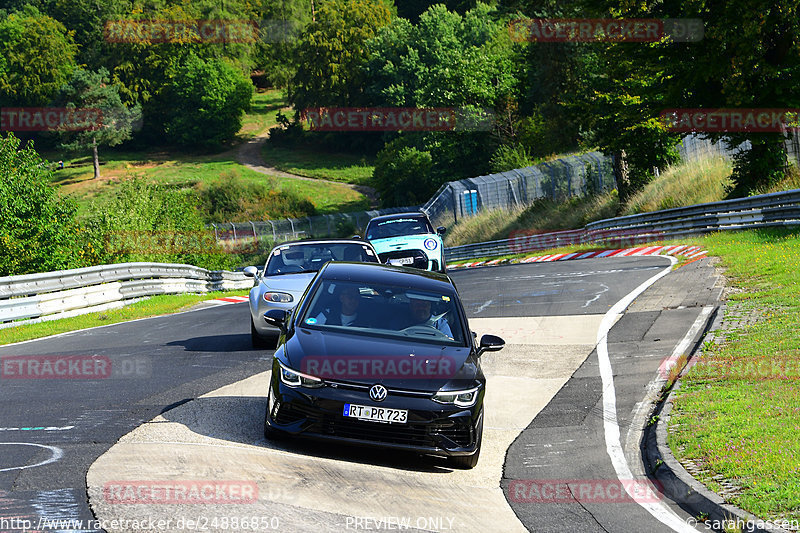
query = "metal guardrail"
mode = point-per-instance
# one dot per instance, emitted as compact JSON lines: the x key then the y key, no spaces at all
{"x":774,"y":209}
{"x":84,"y":290}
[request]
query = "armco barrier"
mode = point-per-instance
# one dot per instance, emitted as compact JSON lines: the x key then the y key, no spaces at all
{"x":766,"y":210}
{"x":94,"y":288}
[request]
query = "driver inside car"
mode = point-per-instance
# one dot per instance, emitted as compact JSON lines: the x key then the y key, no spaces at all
{"x":419,"y":311}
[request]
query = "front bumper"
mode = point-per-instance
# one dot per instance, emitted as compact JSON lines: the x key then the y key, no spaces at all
{"x":421,"y":259}
{"x":432,"y":428}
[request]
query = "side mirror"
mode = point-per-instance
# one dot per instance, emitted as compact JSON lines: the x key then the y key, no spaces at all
{"x":251,"y":272}
{"x":276,"y":318}
{"x":491,"y":343}
{"x":440,"y":230}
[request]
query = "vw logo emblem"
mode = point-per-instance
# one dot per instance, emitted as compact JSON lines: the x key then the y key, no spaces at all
{"x":377,"y":393}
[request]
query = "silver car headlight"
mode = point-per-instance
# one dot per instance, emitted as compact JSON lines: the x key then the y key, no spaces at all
{"x":278,"y":297}
{"x":459,"y":398}
{"x":293,"y":378}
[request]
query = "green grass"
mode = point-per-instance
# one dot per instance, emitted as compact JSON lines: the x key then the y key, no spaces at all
{"x":154,"y":306}
{"x":263,"y":108}
{"x":737,"y":412}
{"x":347,"y":168}
{"x":186,"y":170}
{"x":190,"y":170}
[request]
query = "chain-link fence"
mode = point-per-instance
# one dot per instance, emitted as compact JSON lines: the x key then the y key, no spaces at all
{"x":270,"y":232}
{"x":559,"y":179}
{"x":695,"y":146}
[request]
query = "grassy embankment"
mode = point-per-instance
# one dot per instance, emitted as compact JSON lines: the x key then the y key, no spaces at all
{"x":736,"y":415}
{"x":198,"y":171}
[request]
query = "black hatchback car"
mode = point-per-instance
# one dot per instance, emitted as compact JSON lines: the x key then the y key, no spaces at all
{"x":382,"y":356}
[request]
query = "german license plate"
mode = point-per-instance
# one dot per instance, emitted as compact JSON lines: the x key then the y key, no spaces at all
{"x":402,"y":261}
{"x":376,"y":414}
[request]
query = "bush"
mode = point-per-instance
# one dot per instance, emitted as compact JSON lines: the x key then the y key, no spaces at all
{"x":403,"y":175}
{"x":208,"y":100}
{"x":38,"y":228}
{"x":510,"y":157}
{"x":147,"y":222}
{"x":232,"y":199}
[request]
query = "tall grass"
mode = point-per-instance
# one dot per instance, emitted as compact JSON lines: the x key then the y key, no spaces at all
{"x":543,"y":215}
{"x":698,"y":182}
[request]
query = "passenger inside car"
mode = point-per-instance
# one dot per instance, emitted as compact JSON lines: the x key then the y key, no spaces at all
{"x":344,"y":309}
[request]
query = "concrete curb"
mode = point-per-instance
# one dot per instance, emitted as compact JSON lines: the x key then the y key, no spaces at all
{"x":691,"y":252}
{"x":678,"y":484}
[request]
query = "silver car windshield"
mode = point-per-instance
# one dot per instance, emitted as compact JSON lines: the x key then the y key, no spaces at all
{"x":385,"y":311}
{"x":397,"y":227}
{"x":309,"y":257}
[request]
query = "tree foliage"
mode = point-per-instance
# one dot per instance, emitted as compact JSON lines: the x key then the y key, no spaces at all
{"x":445,"y":60}
{"x":209,"y":100}
{"x":332,"y":52}
{"x":114,"y":122}
{"x":150,"y":222}
{"x":37,"y":56}
{"x":38,"y":231}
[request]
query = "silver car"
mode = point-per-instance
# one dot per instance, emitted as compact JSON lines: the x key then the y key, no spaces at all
{"x":289,"y":270}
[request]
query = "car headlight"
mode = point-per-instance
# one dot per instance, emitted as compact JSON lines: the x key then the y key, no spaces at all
{"x":278,"y":297}
{"x":460,"y":398}
{"x":293,"y":378}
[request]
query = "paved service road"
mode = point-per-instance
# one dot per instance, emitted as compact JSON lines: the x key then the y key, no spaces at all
{"x":549,"y":314}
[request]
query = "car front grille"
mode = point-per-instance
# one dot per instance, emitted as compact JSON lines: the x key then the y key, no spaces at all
{"x":420,"y":259}
{"x":414,"y":434}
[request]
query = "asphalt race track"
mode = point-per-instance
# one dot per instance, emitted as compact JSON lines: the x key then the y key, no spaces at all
{"x":179,"y":401}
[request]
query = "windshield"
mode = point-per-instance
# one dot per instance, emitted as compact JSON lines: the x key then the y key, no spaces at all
{"x":386,"y":311}
{"x":397,"y":227}
{"x":294,"y":258}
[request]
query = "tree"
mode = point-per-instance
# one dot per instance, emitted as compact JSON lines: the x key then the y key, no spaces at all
{"x":444,"y":60}
{"x":412,"y":9}
{"x":111,"y":126}
{"x":38,"y":232}
{"x":283,"y":21}
{"x":37,"y":56}
{"x":332,"y":52}
{"x":209,"y":99}
{"x":743,"y":61}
